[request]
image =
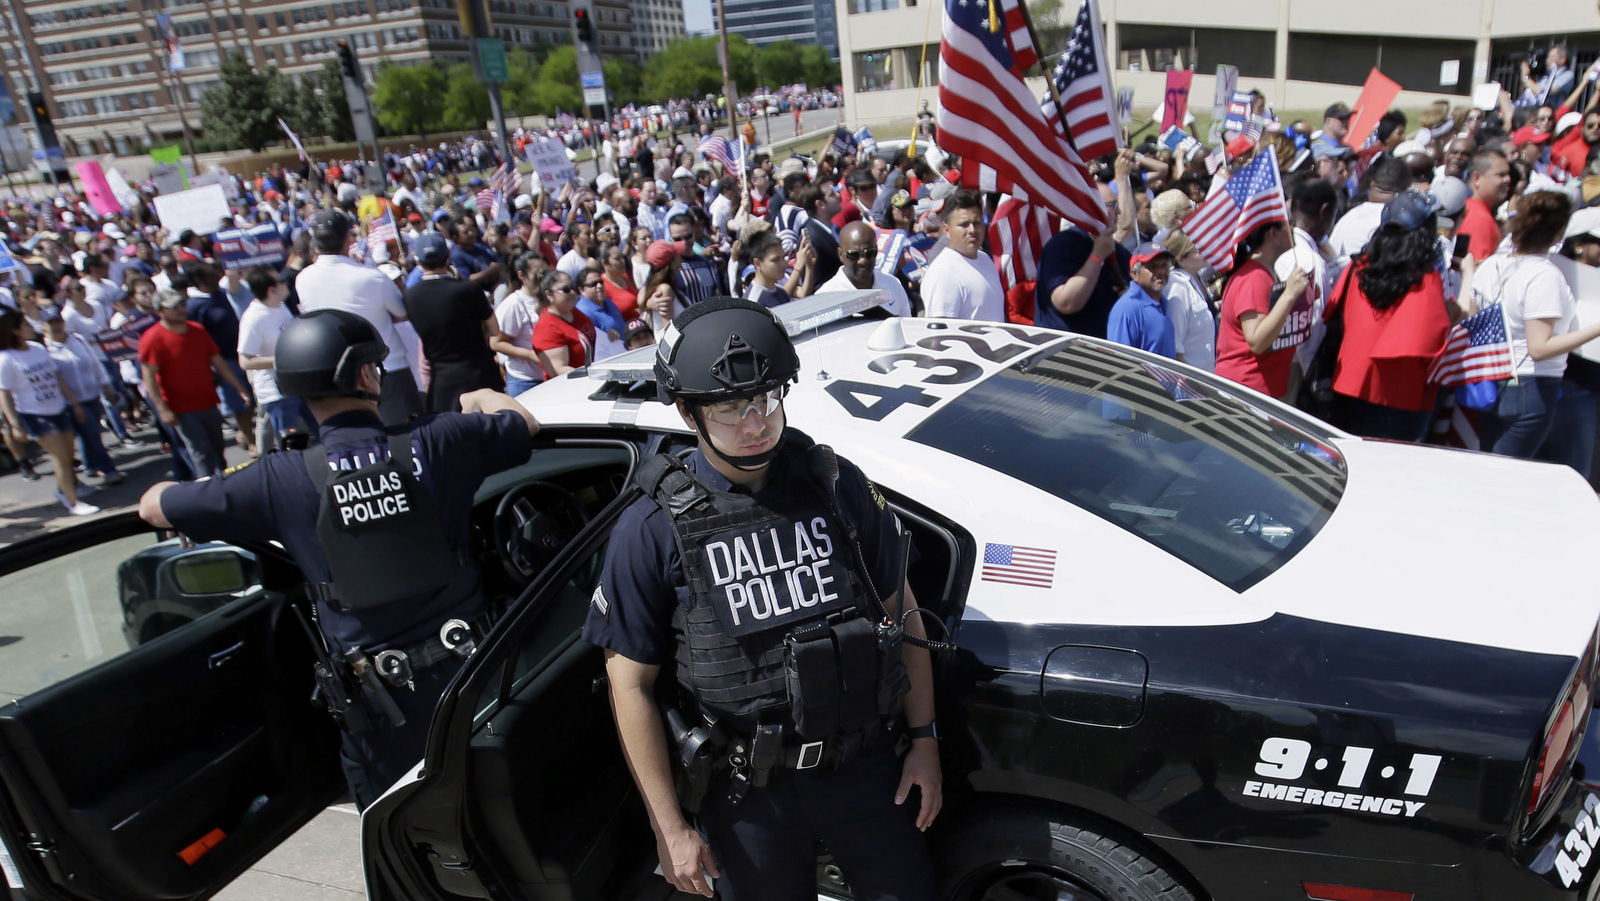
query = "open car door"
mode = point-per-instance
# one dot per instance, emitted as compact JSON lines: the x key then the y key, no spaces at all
{"x":160,"y":741}
{"x":524,"y":792}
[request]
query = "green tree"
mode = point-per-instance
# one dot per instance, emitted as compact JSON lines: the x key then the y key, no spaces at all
{"x":557,"y":88}
{"x":522,"y":82}
{"x":820,"y":71}
{"x":407,"y":98}
{"x":238,"y":112}
{"x":780,"y":63}
{"x":466,"y":100}
{"x":622,"y":80}
{"x":332,"y":103}
{"x":688,"y":67}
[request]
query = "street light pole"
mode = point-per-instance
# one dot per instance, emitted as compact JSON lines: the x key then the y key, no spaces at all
{"x":730,"y":97}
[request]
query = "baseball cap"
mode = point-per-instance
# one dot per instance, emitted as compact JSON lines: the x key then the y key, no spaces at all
{"x":523,"y":201}
{"x":171,"y":300}
{"x":330,"y":223}
{"x":934,"y":202}
{"x":441,"y":214}
{"x":604,"y":183}
{"x":1147,"y":252}
{"x":349,"y":193}
{"x":1337,"y":111}
{"x":1570,"y":120}
{"x":414,"y":217}
{"x":1452,"y":194}
{"x":900,"y":199}
{"x":660,"y":253}
{"x":635,"y":326}
{"x":1527,"y":134}
{"x":1584,"y":222}
{"x":523,"y":217}
{"x":432,"y":249}
{"x":1409,"y":210}
{"x":1407,"y":148}
{"x":475,"y":182}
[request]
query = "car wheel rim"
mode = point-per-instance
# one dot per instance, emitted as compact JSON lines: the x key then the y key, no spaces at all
{"x":1035,"y":885}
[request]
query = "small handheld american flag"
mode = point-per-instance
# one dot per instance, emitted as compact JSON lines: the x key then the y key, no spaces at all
{"x":1477,"y":350}
{"x":716,"y":147}
{"x":1251,"y":198}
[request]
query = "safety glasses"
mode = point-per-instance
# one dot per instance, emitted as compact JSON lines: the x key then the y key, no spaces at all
{"x":733,"y":412}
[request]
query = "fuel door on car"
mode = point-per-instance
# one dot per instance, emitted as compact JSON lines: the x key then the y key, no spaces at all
{"x":1094,"y":686}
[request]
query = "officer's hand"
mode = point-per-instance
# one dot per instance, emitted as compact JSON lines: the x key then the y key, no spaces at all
{"x":922,"y":770}
{"x":685,"y":859}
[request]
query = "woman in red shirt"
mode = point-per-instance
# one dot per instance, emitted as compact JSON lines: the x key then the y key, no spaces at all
{"x":1261,"y":326}
{"x":1396,"y":323}
{"x":616,"y":275}
{"x":564,"y":336}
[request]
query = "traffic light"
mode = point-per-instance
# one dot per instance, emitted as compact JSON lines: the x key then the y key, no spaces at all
{"x":585,"y":27}
{"x":347,"y":62}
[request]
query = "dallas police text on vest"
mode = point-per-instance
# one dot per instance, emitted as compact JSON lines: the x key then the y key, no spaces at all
{"x":367,"y":499}
{"x":762,"y":580}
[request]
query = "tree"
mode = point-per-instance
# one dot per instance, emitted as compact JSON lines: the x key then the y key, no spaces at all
{"x":622,"y":80}
{"x":238,"y":112}
{"x":466,"y":100}
{"x":820,"y":71}
{"x":557,"y":88}
{"x":688,"y":67}
{"x":522,"y":80}
{"x":332,"y":104}
{"x":780,"y":63}
{"x":407,"y":98}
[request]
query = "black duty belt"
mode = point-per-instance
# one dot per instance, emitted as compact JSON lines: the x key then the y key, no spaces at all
{"x":457,"y":640}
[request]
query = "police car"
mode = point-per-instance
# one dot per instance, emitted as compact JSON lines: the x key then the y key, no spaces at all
{"x":1208,"y":648}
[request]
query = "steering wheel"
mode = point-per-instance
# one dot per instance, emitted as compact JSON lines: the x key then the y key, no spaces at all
{"x":532,"y":523}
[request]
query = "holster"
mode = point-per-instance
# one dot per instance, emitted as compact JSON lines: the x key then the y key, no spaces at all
{"x":694,"y":757}
{"x":333,"y":695}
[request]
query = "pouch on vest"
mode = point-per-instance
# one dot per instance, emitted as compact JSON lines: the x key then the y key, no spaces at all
{"x":380,"y":529}
{"x":831,"y":671}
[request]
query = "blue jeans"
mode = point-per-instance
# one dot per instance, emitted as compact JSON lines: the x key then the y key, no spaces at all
{"x":1571,"y":439}
{"x":277,"y":417}
{"x":92,"y":449}
{"x":515,"y":386}
{"x":1521,"y":420}
{"x":1370,"y":420}
{"x":233,"y":403}
{"x":201,"y":432}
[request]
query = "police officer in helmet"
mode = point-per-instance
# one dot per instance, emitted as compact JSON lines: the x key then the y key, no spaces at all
{"x":767,"y":577}
{"x":346,"y":510}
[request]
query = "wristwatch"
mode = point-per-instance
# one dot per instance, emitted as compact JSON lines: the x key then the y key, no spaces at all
{"x":929,"y":731}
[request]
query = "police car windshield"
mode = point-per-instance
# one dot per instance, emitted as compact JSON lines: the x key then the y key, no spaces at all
{"x":1177,"y":460}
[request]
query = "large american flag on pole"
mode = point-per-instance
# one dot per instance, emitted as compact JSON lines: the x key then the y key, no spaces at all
{"x":1477,"y":350}
{"x":716,"y":147}
{"x":1251,"y":198}
{"x":1081,"y":79}
{"x":989,"y":118}
{"x":1016,"y":238}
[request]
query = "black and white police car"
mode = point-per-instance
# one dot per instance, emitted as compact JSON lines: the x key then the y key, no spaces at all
{"x":1209,"y":648}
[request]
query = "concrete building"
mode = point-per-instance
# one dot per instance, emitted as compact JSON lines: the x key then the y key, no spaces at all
{"x":770,"y":21}
{"x":1302,"y":54}
{"x":102,"y":65}
{"x":656,"y":23}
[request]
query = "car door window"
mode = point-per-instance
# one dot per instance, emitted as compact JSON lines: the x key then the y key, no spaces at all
{"x":84,"y":607}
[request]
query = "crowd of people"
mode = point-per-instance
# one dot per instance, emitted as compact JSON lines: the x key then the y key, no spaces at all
{"x":1343,"y":307}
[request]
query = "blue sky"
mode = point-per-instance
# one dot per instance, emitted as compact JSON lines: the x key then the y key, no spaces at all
{"x":697,"y":16}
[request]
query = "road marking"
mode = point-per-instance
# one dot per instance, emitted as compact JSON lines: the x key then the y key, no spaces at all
{"x":80,"y":609}
{"x":340,"y":808}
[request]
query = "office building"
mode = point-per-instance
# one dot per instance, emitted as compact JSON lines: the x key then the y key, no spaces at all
{"x":769,"y":21}
{"x":656,"y":23}
{"x":1302,"y":54}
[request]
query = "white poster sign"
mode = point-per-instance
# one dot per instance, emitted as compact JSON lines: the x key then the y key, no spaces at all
{"x":199,"y":209}
{"x":549,"y":159}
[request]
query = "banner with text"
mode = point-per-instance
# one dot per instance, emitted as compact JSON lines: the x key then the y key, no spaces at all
{"x":243,"y":248}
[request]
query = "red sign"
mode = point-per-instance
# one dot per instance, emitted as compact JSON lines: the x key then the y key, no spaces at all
{"x":1376,"y":95}
{"x":1176,"y":102}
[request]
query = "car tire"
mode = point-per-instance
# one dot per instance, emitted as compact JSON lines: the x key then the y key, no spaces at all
{"x":1034,"y":852}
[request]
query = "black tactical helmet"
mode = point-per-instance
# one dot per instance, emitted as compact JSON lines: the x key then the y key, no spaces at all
{"x":723,"y":349}
{"x":321,"y":354}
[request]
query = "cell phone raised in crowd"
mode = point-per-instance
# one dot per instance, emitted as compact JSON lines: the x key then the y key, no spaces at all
{"x":1463,"y":245}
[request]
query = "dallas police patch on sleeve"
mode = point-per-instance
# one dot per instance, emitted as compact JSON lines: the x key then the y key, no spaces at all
{"x":876,"y":495}
{"x":599,"y":602}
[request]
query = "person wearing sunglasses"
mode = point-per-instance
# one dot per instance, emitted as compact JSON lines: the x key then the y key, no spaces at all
{"x":758,"y":646}
{"x":609,"y":323}
{"x":563,"y":337}
{"x":858,"y":268}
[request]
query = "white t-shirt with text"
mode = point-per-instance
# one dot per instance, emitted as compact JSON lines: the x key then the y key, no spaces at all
{"x":30,"y":375}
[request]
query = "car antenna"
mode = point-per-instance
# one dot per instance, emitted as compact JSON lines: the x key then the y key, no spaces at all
{"x":822,"y":366}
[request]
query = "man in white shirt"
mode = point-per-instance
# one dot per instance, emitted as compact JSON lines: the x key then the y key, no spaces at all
{"x":98,"y":288}
{"x":1311,"y":211}
{"x":1355,"y":229}
{"x":858,"y":268}
{"x":963,"y":283}
{"x":334,"y":281}
{"x":263,"y":319}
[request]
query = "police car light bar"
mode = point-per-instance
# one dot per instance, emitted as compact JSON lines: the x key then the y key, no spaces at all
{"x":797,"y":316}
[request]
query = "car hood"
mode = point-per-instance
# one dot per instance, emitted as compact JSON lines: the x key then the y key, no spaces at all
{"x":1452,"y":545}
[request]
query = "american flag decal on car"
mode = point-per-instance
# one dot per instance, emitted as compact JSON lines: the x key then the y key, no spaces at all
{"x":1015,"y":565}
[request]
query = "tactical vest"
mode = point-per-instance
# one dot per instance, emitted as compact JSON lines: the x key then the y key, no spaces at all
{"x":380,"y":530}
{"x":779,"y":623}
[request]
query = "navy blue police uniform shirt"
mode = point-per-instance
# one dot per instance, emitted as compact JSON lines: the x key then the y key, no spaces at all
{"x":642,"y":581}
{"x":1063,"y":255}
{"x":273,"y":499}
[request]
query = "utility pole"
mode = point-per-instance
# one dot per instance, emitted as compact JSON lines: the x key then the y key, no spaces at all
{"x":488,"y":64}
{"x":591,"y":69}
{"x":730,"y":96}
{"x":38,"y":110}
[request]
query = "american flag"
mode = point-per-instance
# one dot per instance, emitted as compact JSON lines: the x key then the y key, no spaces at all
{"x":382,"y":229}
{"x":1081,"y":80}
{"x":716,"y":147}
{"x":484,"y":201}
{"x":1251,"y":198}
{"x":1215,"y":159}
{"x":1477,"y":350}
{"x":566,"y":120}
{"x":507,"y":179}
{"x":1016,"y":238}
{"x":1177,"y":386}
{"x":1031,"y":566}
{"x":988,"y":117}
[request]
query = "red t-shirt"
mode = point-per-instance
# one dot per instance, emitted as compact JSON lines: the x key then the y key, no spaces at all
{"x":1020,"y":301}
{"x":1571,"y":152}
{"x":1478,"y":223}
{"x":1386,"y":355}
{"x":576,"y":336}
{"x":625,"y":296}
{"x":1250,"y":290}
{"x":185,"y":378}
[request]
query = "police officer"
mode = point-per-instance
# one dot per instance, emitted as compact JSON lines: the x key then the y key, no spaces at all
{"x":769,"y":575}
{"x":347,"y":509}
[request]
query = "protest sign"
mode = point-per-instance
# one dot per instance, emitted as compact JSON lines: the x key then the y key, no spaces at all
{"x":95,"y":187}
{"x":1176,"y":103}
{"x":1124,"y":106}
{"x":1183,"y":145}
{"x":122,"y":343}
{"x":1227,"y":83}
{"x":1585,"y":284}
{"x":1376,"y":95}
{"x":244,"y":248}
{"x":549,"y":159}
{"x":170,"y":178}
{"x":198,"y":209}
{"x":7,"y":261}
{"x":121,"y":190}
{"x":1486,"y":96}
{"x":891,"y":245}
{"x":1238,"y":114}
